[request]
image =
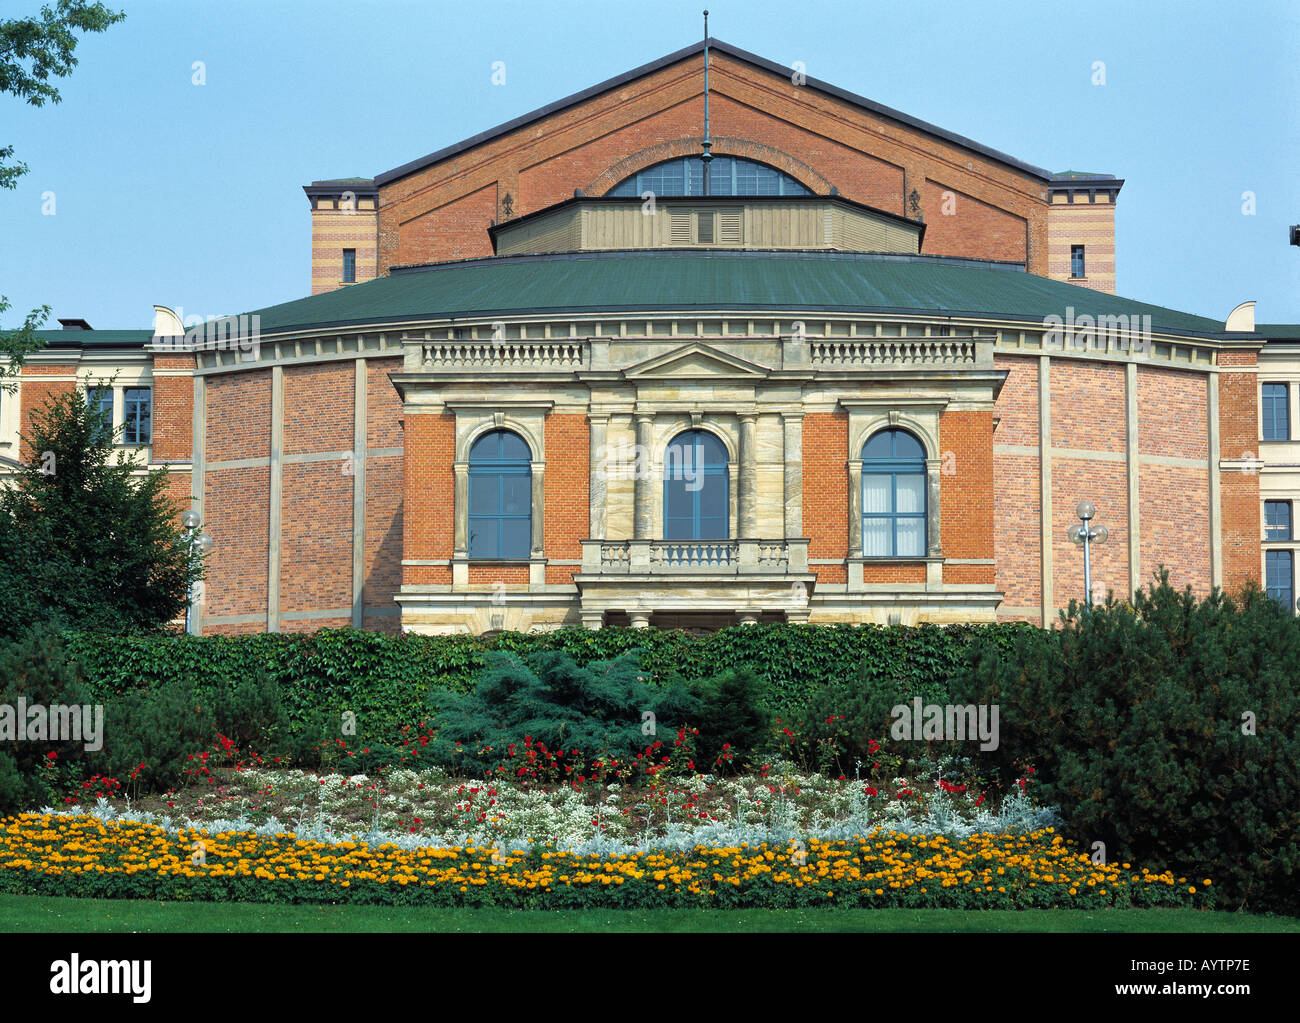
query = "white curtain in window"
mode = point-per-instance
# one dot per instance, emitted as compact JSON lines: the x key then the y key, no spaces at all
{"x":911,"y":494}
{"x":876,"y":493}
{"x":911,"y":538}
{"x":875,"y":537}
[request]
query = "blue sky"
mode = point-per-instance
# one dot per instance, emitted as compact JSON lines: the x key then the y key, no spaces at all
{"x":190,"y":196}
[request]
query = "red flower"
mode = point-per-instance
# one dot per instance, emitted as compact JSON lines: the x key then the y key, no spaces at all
{"x":51,"y":755}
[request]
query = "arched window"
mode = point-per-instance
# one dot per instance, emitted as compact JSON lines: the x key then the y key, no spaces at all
{"x":696,"y":489}
{"x":893,"y":496}
{"x":500,"y":496}
{"x":729,"y":175}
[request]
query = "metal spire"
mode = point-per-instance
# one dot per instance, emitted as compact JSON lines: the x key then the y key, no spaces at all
{"x":707,"y":156}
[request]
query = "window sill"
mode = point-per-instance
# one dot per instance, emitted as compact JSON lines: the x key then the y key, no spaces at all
{"x":498,"y":561}
{"x":918,"y":559}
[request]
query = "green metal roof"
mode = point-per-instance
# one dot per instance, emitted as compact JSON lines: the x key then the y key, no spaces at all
{"x":95,"y":338}
{"x":717,"y":280}
{"x":1279,"y":331}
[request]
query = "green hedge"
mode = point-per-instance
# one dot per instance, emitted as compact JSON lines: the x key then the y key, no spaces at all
{"x":384,"y":680}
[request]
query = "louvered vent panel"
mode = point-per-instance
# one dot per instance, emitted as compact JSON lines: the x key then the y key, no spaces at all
{"x":729,"y":227}
{"x":679,"y":229}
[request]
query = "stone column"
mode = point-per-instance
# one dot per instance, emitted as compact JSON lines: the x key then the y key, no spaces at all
{"x":643,"y":510}
{"x":747,"y":513}
{"x":273,"y":533}
{"x":598,"y":456}
{"x":1131,"y":449}
{"x":792,"y":456}
{"x":460,"y":497}
{"x":1047,"y":595}
{"x":855,"y":507}
{"x":539,"y":505}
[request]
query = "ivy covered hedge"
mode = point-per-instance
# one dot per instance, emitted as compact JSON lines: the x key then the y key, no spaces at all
{"x":385,"y":680}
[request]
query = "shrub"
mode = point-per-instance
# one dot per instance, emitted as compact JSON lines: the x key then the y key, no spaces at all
{"x":1138,"y":722}
{"x":33,"y":669}
{"x":548,"y":700}
{"x":385,"y":680}
{"x":161,"y":729}
{"x":732,"y":720}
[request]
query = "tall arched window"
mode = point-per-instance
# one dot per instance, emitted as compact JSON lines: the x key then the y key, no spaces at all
{"x":893,"y":496}
{"x":696,"y":488}
{"x":500,"y":496}
{"x":728,"y":175}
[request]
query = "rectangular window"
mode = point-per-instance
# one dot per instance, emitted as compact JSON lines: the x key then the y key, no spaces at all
{"x":704,"y":227}
{"x":1277,"y":520}
{"x":1279,"y":580}
{"x":138,"y":415}
{"x":349,"y":266}
{"x":1076,"y":261}
{"x":1277,"y":412}
{"x":100,"y":402}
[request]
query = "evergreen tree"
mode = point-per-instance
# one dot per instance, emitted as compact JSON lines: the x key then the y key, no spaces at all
{"x":87,"y":537}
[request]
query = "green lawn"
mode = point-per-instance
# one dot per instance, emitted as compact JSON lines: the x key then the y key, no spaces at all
{"x":48,"y":914}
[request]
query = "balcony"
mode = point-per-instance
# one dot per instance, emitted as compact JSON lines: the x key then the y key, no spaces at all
{"x":748,"y":578}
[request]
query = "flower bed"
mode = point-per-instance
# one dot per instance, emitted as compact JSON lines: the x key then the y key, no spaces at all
{"x":84,"y":855}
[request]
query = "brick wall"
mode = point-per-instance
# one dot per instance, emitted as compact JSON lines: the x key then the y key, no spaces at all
{"x":568,"y":483}
{"x":442,"y":211}
{"x":332,"y":231}
{"x":34,"y":392}
{"x":825,"y":490}
{"x":966,"y":493}
{"x":427,"y":517}
{"x":173,"y":409}
{"x":1091,"y":225}
{"x":1239,"y":492}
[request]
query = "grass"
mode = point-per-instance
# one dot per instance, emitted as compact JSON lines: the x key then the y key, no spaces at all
{"x":31,"y":913}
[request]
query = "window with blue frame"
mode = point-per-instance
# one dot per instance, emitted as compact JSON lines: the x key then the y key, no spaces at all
{"x":696,"y":488}
{"x":1279,"y":579}
{"x":100,"y":402}
{"x":349,"y":266}
{"x":1277,"y":520}
{"x":728,"y":175}
{"x":137,"y":405}
{"x":1277,"y":412}
{"x":893,"y":496}
{"x":1076,"y":261}
{"x":500,"y":496}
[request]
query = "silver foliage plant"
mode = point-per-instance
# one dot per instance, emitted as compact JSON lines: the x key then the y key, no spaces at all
{"x":565,"y":824}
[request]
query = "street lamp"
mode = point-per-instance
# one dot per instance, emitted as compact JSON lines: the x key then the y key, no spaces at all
{"x":1087,"y":535}
{"x":190,"y":520}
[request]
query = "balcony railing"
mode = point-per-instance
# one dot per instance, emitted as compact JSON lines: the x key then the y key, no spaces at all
{"x":478,"y":355}
{"x":694,"y":557}
{"x":930,"y":351}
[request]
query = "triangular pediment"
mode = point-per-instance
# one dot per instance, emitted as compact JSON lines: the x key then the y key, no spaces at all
{"x":696,"y":361}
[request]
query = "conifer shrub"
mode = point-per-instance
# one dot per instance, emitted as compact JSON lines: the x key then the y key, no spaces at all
{"x":604,"y":710}
{"x":733,"y":720}
{"x":34,"y":670}
{"x":1168,"y":730}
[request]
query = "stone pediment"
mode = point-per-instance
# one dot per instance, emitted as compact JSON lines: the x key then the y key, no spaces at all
{"x":696,"y":361}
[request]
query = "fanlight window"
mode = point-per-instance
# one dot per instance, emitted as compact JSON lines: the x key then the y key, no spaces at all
{"x":893,"y":496}
{"x":696,"y":488}
{"x":500,"y":496}
{"x":728,"y":175}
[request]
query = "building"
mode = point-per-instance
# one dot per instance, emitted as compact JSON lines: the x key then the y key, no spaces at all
{"x":851,"y":368}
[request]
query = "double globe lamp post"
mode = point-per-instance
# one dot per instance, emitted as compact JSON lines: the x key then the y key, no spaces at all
{"x":1087,"y":535}
{"x":203,"y":542}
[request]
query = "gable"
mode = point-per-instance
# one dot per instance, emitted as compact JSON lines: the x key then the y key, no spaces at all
{"x":696,"y":361}
{"x":823,"y":137}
